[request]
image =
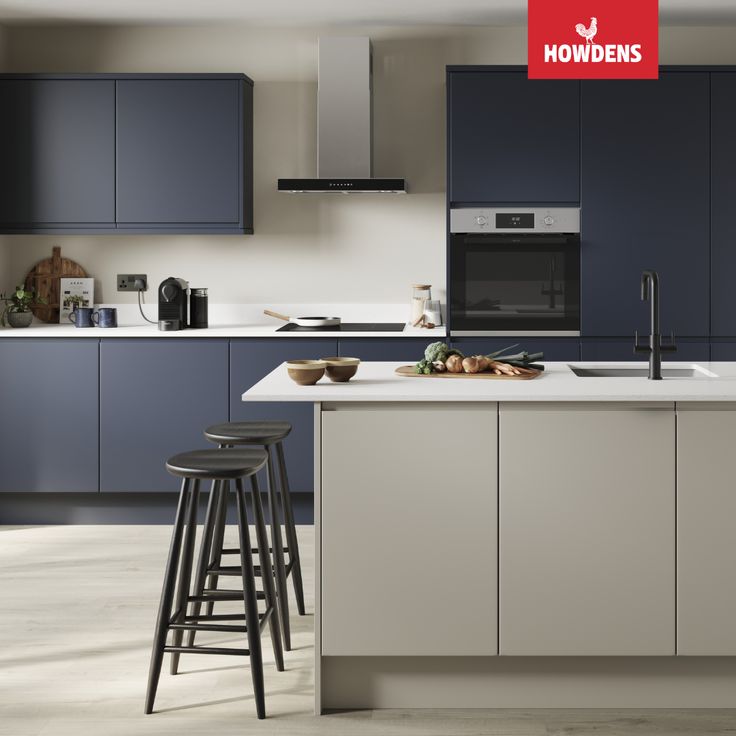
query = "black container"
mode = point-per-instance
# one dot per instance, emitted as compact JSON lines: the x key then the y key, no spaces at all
{"x":198,"y":308}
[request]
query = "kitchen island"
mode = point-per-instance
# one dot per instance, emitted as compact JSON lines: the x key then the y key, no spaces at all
{"x":560,"y":542}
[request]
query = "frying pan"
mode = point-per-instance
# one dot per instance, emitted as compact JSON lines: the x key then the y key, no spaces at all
{"x":306,"y":321}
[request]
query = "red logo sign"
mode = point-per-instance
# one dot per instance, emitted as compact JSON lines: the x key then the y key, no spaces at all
{"x":593,"y":39}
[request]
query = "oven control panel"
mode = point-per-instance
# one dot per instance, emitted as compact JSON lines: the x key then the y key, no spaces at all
{"x":515,"y":219}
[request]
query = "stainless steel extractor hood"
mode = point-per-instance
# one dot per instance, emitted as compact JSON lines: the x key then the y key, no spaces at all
{"x":344,"y":122}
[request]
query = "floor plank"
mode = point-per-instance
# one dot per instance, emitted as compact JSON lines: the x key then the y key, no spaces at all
{"x":78,"y":607}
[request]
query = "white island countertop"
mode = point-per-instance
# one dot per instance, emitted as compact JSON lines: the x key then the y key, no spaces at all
{"x":238,"y":321}
{"x":377,"y":382}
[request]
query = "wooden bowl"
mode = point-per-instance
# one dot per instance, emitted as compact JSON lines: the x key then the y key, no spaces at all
{"x":341,"y":370}
{"x":305,"y":372}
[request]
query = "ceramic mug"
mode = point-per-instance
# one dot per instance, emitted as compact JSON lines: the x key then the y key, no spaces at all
{"x":82,"y":317}
{"x":106,"y":317}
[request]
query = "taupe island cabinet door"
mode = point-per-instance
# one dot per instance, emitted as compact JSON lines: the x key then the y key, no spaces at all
{"x":706,"y":530}
{"x":409,"y":542}
{"x":587,"y":529}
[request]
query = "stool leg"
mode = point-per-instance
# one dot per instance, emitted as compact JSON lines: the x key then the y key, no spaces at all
{"x":251,"y":606}
{"x":291,"y":539}
{"x":205,"y":551}
{"x":185,"y":573}
{"x":218,"y":541}
{"x":268,"y":587}
{"x":167,"y":596}
{"x":278,"y":553}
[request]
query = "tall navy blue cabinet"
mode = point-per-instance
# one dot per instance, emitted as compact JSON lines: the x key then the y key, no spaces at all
{"x":49,"y":407}
{"x":645,"y":202}
{"x":723,"y":196}
{"x":180,"y":153}
{"x":250,"y":361}
{"x":126,"y":153}
{"x":512,"y":139}
{"x":156,"y":398}
{"x":57,"y":154}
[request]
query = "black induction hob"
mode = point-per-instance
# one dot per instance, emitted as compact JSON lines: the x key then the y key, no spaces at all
{"x":347,"y":327}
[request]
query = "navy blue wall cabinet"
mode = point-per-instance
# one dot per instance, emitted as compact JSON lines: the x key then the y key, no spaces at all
{"x":409,"y":349}
{"x":623,"y":349}
{"x":57,"y":154}
{"x":49,"y":400}
{"x":181,"y":153}
{"x":554,"y":348}
{"x":512,"y":139}
{"x":250,"y":361}
{"x":723,"y":196}
{"x":645,"y":202}
{"x":131,"y":153}
{"x":156,"y":398}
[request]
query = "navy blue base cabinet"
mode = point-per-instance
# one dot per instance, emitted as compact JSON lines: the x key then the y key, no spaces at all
{"x":156,"y":398}
{"x":623,"y":349}
{"x":554,"y":348}
{"x":49,"y":407}
{"x":723,"y":350}
{"x":250,"y":361}
{"x":409,"y":349}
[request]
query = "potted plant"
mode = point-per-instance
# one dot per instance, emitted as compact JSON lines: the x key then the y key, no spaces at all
{"x":17,"y":312}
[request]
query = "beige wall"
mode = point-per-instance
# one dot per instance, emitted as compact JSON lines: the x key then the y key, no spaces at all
{"x":306,"y":248}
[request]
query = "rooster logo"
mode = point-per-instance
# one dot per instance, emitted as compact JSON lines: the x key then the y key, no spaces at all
{"x":588,"y":33}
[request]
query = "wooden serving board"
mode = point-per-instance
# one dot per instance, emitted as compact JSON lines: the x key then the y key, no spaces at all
{"x":408,"y":370}
{"x":45,"y":277}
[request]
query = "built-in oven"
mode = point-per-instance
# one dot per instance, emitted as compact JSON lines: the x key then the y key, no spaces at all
{"x":515,"y":271}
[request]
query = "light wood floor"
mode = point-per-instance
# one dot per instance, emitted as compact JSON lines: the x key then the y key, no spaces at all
{"x":77,"y":608}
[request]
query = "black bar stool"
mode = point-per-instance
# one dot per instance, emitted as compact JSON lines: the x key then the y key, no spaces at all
{"x":266,"y":434}
{"x":220,"y":466}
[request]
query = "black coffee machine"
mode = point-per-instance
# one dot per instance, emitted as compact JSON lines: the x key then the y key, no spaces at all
{"x":172,"y":304}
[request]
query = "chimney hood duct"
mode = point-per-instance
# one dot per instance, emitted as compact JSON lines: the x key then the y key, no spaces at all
{"x":344,"y":122}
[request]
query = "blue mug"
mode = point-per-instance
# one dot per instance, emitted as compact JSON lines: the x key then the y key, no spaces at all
{"x":82,"y":317}
{"x":106,"y":317}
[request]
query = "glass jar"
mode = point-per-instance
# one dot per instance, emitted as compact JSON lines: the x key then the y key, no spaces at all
{"x":421,"y":294}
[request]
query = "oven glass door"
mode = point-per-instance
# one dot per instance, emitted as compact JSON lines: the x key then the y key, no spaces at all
{"x":515,"y":283}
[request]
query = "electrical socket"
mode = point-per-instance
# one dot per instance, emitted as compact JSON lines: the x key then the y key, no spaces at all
{"x":126,"y":281}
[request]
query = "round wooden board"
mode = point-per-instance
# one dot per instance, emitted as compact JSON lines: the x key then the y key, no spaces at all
{"x":408,"y":370}
{"x":45,"y":277}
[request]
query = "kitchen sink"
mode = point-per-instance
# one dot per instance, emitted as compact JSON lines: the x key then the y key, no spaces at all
{"x":640,"y":371}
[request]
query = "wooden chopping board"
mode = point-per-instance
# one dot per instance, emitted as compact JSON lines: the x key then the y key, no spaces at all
{"x":408,"y":370}
{"x":45,"y":277}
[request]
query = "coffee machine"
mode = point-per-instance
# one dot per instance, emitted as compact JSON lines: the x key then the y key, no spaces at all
{"x":172,"y":304}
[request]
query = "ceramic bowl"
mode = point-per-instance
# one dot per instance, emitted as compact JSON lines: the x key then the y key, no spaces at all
{"x":341,"y":370}
{"x":305,"y":372}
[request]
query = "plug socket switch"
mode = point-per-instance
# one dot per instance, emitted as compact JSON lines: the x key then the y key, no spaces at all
{"x":127,"y":281}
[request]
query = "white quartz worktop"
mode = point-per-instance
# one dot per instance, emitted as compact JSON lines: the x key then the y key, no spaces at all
{"x":377,"y":382}
{"x":238,"y":320}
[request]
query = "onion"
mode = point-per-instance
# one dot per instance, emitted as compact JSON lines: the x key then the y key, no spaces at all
{"x":470,"y":365}
{"x":454,"y":364}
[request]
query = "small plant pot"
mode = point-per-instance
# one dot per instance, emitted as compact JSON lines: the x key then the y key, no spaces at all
{"x":20,"y":319}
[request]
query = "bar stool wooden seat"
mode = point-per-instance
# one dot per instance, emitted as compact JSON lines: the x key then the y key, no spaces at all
{"x":219,"y":466}
{"x":266,"y":434}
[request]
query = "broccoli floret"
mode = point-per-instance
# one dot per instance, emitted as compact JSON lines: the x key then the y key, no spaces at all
{"x":424,"y":367}
{"x":439,"y":351}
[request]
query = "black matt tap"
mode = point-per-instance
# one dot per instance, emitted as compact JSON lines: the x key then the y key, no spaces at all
{"x":650,"y":292}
